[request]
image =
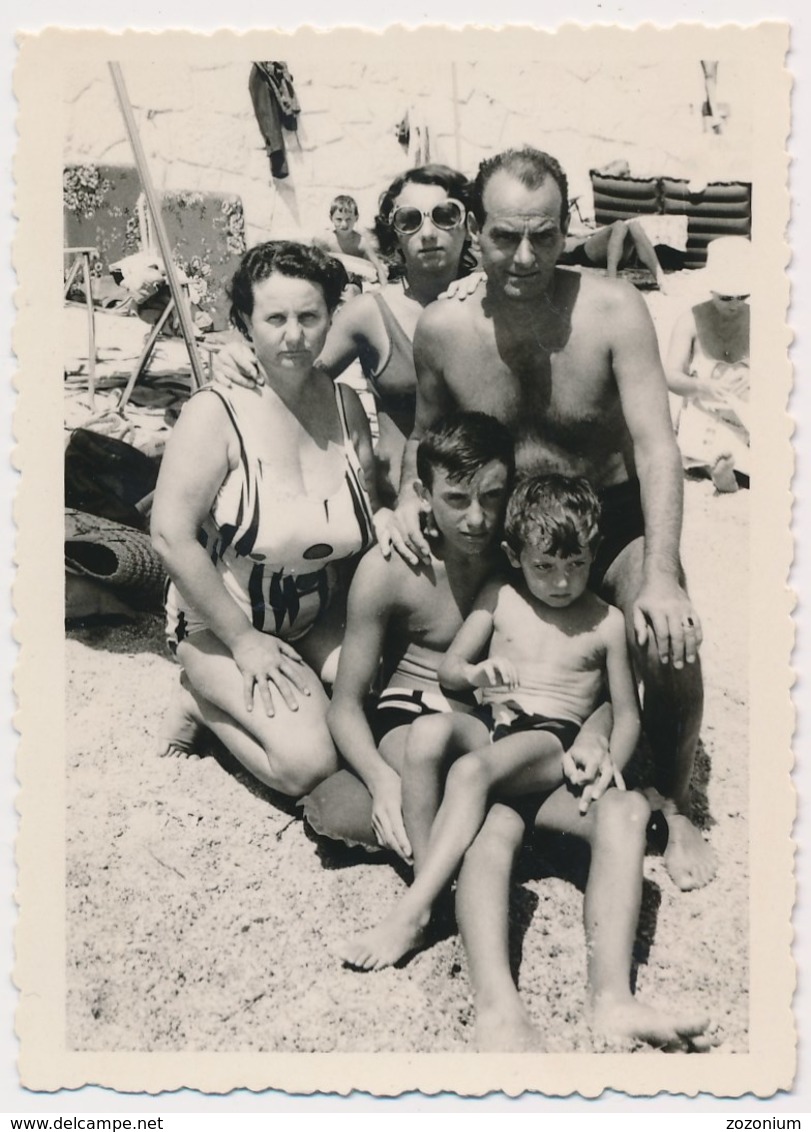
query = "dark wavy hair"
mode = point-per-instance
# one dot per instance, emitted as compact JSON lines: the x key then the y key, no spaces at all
{"x":283,"y":257}
{"x":529,"y":166}
{"x":558,"y":514}
{"x":462,"y":443}
{"x":455,"y":184}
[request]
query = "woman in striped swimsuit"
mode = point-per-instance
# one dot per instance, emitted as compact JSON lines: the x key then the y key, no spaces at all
{"x":260,"y":508}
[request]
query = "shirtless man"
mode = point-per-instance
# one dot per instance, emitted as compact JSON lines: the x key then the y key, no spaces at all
{"x":571,"y":364}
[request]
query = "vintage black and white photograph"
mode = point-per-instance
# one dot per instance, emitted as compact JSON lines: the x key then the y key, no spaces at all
{"x":401,"y":435}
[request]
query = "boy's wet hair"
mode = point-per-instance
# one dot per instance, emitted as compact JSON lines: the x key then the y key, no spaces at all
{"x":532,"y":167}
{"x":557,"y":514}
{"x":462,"y":444}
{"x":343,"y":201}
{"x":283,"y":257}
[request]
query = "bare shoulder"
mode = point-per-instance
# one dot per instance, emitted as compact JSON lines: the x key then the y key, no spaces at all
{"x":493,"y":591}
{"x":386,"y":582}
{"x":442,"y":315}
{"x":444,"y":327}
{"x":359,"y":312}
{"x":208,"y":413}
{"x":609,"y":295}
{"x":612,"y":621}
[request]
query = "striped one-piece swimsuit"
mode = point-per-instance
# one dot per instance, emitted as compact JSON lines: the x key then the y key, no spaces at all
{"x":276,"y":556}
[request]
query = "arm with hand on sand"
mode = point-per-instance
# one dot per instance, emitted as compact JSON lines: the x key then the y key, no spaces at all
{"x":369,"y":609}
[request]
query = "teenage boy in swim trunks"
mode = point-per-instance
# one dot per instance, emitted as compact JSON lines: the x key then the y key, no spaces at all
{"x":551,"y":645}
{"x":408,"y":615}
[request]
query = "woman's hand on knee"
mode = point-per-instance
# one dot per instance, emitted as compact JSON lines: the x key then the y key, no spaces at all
{"x":270,"y":668}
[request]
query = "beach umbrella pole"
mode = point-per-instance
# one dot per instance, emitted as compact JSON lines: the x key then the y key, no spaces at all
{"x":180,"y":300}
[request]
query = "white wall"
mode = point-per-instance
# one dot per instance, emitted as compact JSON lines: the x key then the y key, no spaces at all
{"x":199,"y":132}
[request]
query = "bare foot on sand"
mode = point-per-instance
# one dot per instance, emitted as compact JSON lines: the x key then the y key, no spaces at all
{"x":384,"y":945}
{"x":629,"y":1020}
{"x":182,"y":724}
{"x":498,"y":1031}
{"x":722,"y":474}
{"x":688,"y":857}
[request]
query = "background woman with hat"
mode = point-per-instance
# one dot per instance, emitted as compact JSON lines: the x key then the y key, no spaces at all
{"x":708,"y":365}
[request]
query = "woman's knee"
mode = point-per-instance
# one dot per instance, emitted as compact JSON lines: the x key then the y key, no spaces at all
{"x":299,"y":763}
{"x":298,"y":778}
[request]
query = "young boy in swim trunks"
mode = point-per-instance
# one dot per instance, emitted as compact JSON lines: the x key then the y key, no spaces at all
{"x":342,"y":239}
{"x":550,"y":646}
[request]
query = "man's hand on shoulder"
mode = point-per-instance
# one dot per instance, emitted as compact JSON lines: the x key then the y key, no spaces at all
{"x":236,"y":364}
{"x":663,"y":611}
{"x":404,"y":530}
{"x":392,"y":529}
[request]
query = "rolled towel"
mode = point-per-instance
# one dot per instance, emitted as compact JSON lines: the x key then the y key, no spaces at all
{"x":116,"y":555}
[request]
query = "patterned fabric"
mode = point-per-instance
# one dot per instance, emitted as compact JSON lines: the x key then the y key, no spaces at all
{"x":277,"y":558}
{"x":206,"y":231}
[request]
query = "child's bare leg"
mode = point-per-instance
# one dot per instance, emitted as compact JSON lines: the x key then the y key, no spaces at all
{"x":432,"y":742}
{"x":482,"y":912}
{"x":615,"y":828}
{"x":521,"y":763}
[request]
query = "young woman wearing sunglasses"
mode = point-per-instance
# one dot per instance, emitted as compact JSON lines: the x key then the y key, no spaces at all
{"x":421,"y":223}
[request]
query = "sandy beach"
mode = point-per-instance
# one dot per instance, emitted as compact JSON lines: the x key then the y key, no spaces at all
{"x":201,"y":910}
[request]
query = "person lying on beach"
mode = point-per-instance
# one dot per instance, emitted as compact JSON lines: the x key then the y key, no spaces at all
{"x":550,"y":645}
{"x":624,"y":243}
{"x":260,"y":511}
{"x":343,"y":240}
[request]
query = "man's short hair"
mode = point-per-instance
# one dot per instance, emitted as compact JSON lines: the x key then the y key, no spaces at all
{"x":529,"y":166}
{"x":343,"y":201}
{"x":462,"y":444}
{"x":557,"y":514}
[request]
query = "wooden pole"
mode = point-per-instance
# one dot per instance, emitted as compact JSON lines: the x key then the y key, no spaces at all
{"x":457,"y":129}
{"x":181,"y":304}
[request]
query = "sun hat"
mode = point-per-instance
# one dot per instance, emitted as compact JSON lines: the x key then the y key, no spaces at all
{"x":729,"y":266}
